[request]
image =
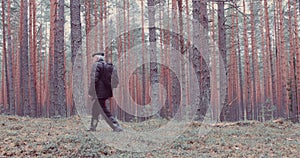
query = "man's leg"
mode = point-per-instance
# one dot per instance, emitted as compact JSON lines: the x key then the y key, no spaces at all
{"x":95,"y":115}
{"x":115,"y":125}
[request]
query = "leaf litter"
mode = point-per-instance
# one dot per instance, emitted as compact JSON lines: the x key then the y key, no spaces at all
{"x":67,"y":137}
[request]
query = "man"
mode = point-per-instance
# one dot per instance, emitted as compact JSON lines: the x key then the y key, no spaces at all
{"x":103,"y":78}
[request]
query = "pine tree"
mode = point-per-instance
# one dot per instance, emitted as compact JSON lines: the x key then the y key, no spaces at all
{"x":76,"y":43}
{"x":10,"y":62}
{"x":23,"y":58}
{"x":59,"y":63}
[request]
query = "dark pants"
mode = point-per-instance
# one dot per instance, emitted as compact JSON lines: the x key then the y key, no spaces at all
{"x":96,"y":109}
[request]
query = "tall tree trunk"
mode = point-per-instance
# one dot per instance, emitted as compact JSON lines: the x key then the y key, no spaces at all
{"x":174,"y":45}
{"x":24,"y":74}
{"x":284,"y":100}
{"x":88,"y":51}
{"x":33,"y":77}
{"x":232,"y":76}
{"x":188,"y":45}
{"x":247,"y":85}
{"x":204,"y":60}
{"x":292,"y":75}
{"x":152,"y":39}
{"x":5,"y":84}
{"x":143,"y":57}
{"x":50,"y":79}
{"x":101,"y":26}
{"x":95,"y":43}
{"x":76,"y":42}
{"x":200,"y":26}
{"x":152,"y":48}
{"x":266,"y":93}
{"x":255,"y":73}
{"x":41,"y":73}
{"x":182,"y":64}
{"x":297,"y":52}
{"x":269,"y":55}
{"x":214,"y":80}
{"x":59,"y":66}
{"x":277,"y":62}
{"x":10,"y":63}
{"x":223,"y":52}
{"x":241,"y":89}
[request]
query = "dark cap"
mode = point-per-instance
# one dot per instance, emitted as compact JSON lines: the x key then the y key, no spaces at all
{"x":98,"y":53}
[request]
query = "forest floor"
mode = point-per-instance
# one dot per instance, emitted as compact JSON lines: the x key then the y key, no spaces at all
{"x":41,"y":137}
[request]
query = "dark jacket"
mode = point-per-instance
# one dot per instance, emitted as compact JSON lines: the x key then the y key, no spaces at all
{"x":103,"y":78}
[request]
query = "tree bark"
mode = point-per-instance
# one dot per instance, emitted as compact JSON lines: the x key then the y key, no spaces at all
{"x":297,"y":51}
{"x":76,"y":42}
{"x":241,"y":89}
{"x":5,"y":83}
{"x":292,"y":75}
{"x":223,"y":51}
{"x":24,"y":69}
{"x":50,"y":79}
{"x":10,"y":63}
{"x":269,"y":54}
{"x":200,"y":26}
{"x":32,"y":68}
{"x":284,"y":107}
{"x":255,"y":73}
{"x":96,"y":26}
{"x":59,"y":66}
{"x":247,"y":69}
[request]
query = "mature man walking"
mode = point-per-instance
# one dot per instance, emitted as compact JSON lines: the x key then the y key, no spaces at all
{"x":103,"y":78}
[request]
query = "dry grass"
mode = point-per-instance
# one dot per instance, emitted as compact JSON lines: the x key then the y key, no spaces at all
{"x":27,"y":137}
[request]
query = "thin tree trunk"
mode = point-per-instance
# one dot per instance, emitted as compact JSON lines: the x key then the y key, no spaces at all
{"x":88,"y":51}
{"x":247,"y":69}
{"x":214,"y":88}
{"x":101,"y":26}
{"x":292,"y":75}
{"x":277,"y":63}
{"x":297,"y":52}
{"x":50,"y":80}
{"x":143,"y":57}
{"x":5,"y":82}
{"x":174,"y":45}
{"x":241,"y":109}
{"x":223,"y":52}
{"x":255,"y":73}
{"x":232,"y":76}
{"x":188,"y":45}
{"x":152,"y":48}
{"x":95,"y":43}
{"x":182,"y":52}
{"x":284,"y":99}
{"x":266,"y":93}
{"x":32,"y":68}
{"x":152,"y":40}
{"x":269,"y":54}
{"x":41,"y":81}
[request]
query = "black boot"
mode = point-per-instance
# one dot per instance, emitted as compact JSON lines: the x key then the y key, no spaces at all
{"x":94,"y":123}
{"x":117,"y":127}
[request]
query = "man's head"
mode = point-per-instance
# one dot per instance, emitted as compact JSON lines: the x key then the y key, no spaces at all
{"x":98,"y":57}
